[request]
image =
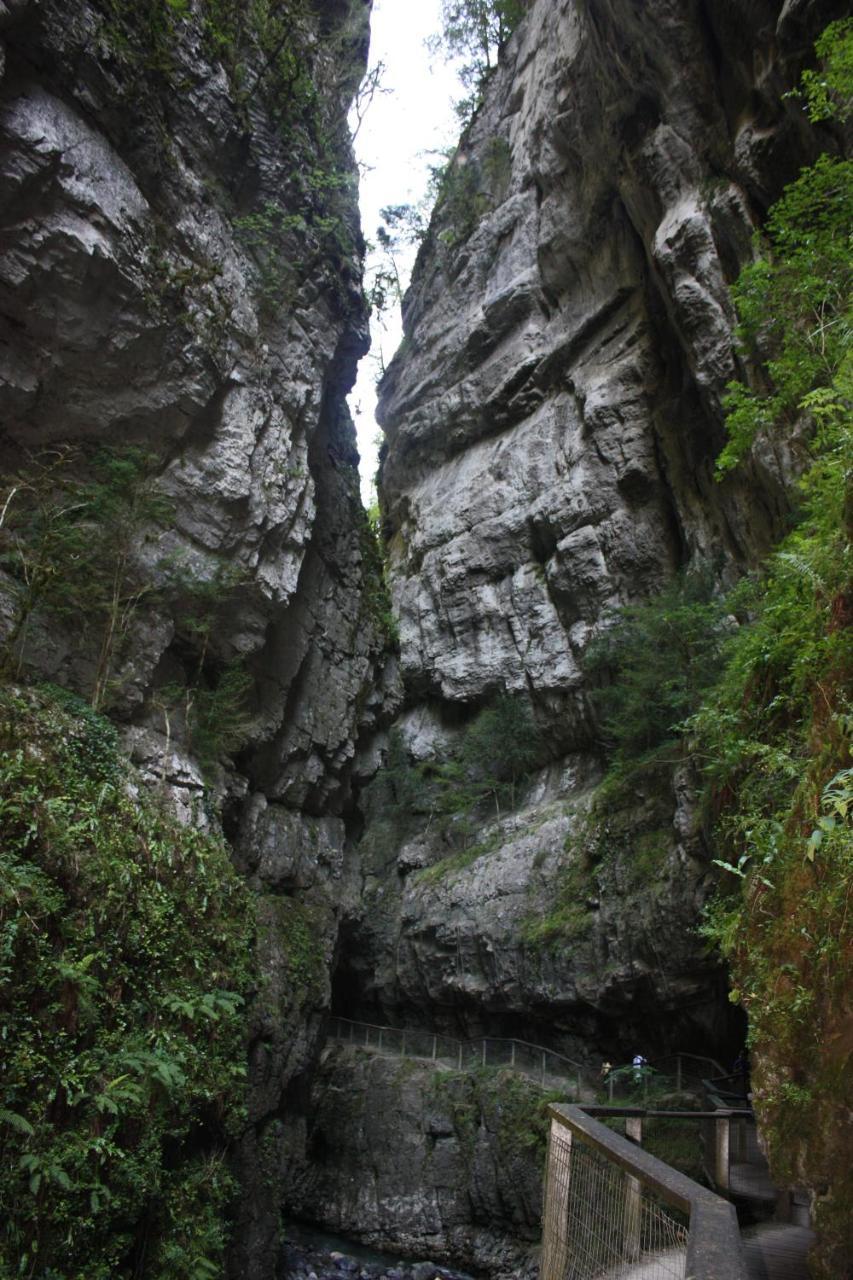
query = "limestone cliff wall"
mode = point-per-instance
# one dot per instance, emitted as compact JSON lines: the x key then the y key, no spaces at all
{"x":552,"y":420}
{"x":434,"y":1163}
{"x":181,"y":276}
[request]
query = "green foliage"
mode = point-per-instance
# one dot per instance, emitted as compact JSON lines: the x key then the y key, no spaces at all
{"x":375,"y":594}
{"x":453,"y":794}
{"x":124,"y":940}
{"x":776,"y":731}
{"x":287,"y":247}
{"x":794,"y":301}
{"x":497,"y":751}
{"x":473,"y":32}
{"x":659,"y":656}
{"x":569,"y":919}
{"x":500,"y":1103}
{"x":829,"y":90}
{"x":291,"y":938}
{"x":70,"y":538}
{"x":264,"y":45}
{"x":214,"y":697}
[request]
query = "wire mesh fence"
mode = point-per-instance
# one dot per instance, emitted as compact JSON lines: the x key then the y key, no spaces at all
{"x":685,"y":1144}
{"x":531,"y":1060}
{"x":602,"y":1222}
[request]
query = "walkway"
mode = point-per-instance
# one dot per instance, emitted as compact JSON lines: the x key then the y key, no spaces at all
{"x":547,"y":1068}
{"x":773,"y":1250}
{"x":777,"y":1251}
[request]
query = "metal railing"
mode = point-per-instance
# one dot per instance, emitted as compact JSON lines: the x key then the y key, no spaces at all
{"x":543,"y":1065}
{"x":680,"y":1072}
{"x":612,"y":1210}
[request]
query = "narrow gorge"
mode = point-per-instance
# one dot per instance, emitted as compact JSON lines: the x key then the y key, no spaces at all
{"x":374,"y":762}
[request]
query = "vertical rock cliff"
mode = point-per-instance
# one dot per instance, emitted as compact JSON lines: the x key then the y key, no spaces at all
{"x":552,"y":420}
{"x":181,"y":306}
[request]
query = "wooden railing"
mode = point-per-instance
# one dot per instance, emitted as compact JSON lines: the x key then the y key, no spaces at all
{"x":612,"y":1209}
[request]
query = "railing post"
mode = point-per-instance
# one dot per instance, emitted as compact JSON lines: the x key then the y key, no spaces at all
{"x":678,"y":1073}
{"x":513,"y":1053}
{"x":403,"y":1044}
{"x":722,"y":1135}
{"x":633,"y":1194}
{"x":555,"y":1218}
{"x":484,"y":1051}
{"x":434,"y":1047}
{"x":460,"y":1055}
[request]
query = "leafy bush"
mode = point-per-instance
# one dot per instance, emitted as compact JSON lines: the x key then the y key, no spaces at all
{"x":496,"y":753}
{"x":793,"y":302}
{"x":124,"y":944}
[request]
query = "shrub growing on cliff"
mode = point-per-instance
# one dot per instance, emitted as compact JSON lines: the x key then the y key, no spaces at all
{"x":70,"y":539}
{"x":653,"y":665}
{"x":793,"y":302}
{"x":124,"y":940}
{"x":497,"y":751}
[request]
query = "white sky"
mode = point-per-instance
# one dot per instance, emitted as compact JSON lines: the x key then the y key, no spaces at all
{"x":414,"y":117}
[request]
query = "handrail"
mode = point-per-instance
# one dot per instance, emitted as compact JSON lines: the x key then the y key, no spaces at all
{"x":714,"y":1249}
{"x":650,"y":1113}
{"x":695,"y":1057}
{"x":548,"y":1056}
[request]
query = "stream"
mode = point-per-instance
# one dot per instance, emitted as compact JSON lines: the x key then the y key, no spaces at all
{"x":309,"y":1254}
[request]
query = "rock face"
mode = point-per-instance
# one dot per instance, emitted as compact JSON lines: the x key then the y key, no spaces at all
{"x":180,"y":284}
{"x":433,"y":1164}
{"x":552,"y":420}
{"x":180,"y":306}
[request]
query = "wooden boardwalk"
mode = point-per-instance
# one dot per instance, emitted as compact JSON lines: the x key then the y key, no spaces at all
{"x":773,"y":1250}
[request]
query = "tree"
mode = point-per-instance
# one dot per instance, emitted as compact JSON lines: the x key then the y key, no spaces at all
{"x":70,"y":537}
{"x":475,"y":31}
